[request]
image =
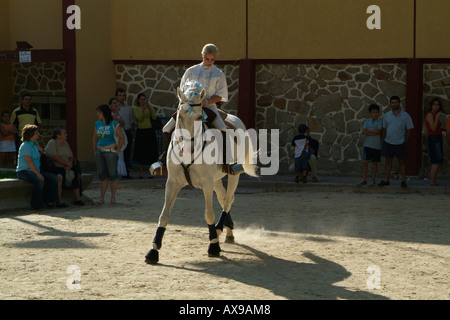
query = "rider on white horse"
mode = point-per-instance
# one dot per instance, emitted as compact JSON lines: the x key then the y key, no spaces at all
{"x":214,"y":82}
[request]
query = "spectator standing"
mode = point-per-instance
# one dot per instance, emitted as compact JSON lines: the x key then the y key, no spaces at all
{"x":128,"y":126}
{"x":23,"y":115}
{"x":397,"y":127}
{"x":107,"y":151}
{"x":434,"y":139}
{"x":146,"y":145}
{"x":8,"y":133}
{"x":117,"y":115}
{"x":447,"y":131}
{"x":372,"y":129}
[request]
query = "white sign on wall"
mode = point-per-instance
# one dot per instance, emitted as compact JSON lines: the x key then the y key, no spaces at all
{"x":25,"y":56}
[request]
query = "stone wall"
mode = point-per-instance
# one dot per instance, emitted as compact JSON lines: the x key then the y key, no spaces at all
{"x":332,"y":99}
{"x":160,"y":82}
{"x":46,"y":82}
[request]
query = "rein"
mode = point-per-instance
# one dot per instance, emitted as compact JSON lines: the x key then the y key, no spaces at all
{"x":179,"y":122}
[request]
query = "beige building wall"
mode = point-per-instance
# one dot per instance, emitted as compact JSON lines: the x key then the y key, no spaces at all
{"x":433,"y":29}
{"x":6,"y":87}
{"x":329,"y":29}
{"x":177,"y":30}
{"x":4,"y":24}
{"x":292,"y":29}
{"x":37,"y":22}
{"x":95,"y":70}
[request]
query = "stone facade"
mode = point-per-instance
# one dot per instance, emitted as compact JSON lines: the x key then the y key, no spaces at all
{"x":332,"y":99}
{"x":46,"y":82}
{"x":160,"y":82}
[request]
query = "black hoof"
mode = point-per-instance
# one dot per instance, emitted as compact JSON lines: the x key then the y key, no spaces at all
{"x":152,"y":257}
{"x":214,"y":250}
{"x":229,"y":239}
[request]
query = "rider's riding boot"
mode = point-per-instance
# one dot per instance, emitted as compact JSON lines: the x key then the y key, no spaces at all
{"x":166,"y":142}
{"x":233,"y":168}
{"x":160,"y":167}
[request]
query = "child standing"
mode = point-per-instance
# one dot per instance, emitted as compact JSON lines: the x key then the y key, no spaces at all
{"x":372,"y":144}
{"x":300,"y":146}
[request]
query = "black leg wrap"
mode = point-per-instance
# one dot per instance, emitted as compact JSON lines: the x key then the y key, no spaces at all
{"x":212,"y":232}
{"x":158,"y":237}
{"x":223,"y":217}
{"x":228,"y":221}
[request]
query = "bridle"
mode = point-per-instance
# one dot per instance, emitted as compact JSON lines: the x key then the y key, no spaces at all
{"x":180,"y":126}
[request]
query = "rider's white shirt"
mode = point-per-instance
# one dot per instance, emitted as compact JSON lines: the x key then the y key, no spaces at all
{"x":213,"y":81}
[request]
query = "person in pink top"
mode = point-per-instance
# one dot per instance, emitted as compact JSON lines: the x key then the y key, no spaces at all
{"x":447,"y":129}
{"x":434,"y":132}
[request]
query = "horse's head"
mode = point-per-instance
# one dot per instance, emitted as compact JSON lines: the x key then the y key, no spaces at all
{"x":191,"y":97}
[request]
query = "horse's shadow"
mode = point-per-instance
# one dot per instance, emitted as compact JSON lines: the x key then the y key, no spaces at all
{"x":288,"y":279}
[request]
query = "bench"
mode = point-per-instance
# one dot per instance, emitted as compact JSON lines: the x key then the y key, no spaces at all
{"x":16,"y":194}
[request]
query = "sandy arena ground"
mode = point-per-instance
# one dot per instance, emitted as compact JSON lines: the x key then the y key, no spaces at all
{"x":302,"y":245}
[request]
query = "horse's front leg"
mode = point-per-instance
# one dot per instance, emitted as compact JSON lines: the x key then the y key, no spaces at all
{"x":214,"y":247}
{"x":228,"y":200}
{"x":172,"y":189}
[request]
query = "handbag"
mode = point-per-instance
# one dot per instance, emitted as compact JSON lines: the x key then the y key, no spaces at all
{"x":157,"y":124}
{"x":47,"y":164}
{"x":117,"y":139}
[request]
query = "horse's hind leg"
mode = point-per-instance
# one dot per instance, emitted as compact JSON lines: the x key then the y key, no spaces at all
{"x":221,"y":197}
{"x":152,"y":257}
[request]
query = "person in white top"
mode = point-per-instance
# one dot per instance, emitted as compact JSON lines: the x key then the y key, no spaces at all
{"x":214,"y":82}
{"x":128,"y":117}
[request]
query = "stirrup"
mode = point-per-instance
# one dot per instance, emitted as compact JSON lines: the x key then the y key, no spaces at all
{"x":158,"y":169}
{"x":233,"y":169}
{"x":162,"y":158}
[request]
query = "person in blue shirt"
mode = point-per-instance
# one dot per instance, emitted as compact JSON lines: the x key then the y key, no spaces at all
{"x":107,"y":150}
{"x":45,"y":184}
{"x":372,"y":129}
{"x":397,"y":127}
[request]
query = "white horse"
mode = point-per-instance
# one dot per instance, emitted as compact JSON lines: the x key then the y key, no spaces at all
{"x":207,"y":177}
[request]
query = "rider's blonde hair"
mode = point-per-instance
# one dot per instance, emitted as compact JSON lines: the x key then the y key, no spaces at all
{"x":210,"y":49}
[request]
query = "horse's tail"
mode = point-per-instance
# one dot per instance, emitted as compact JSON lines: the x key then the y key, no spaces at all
{"x":251,"y":154}
{"x":250,"y":169}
